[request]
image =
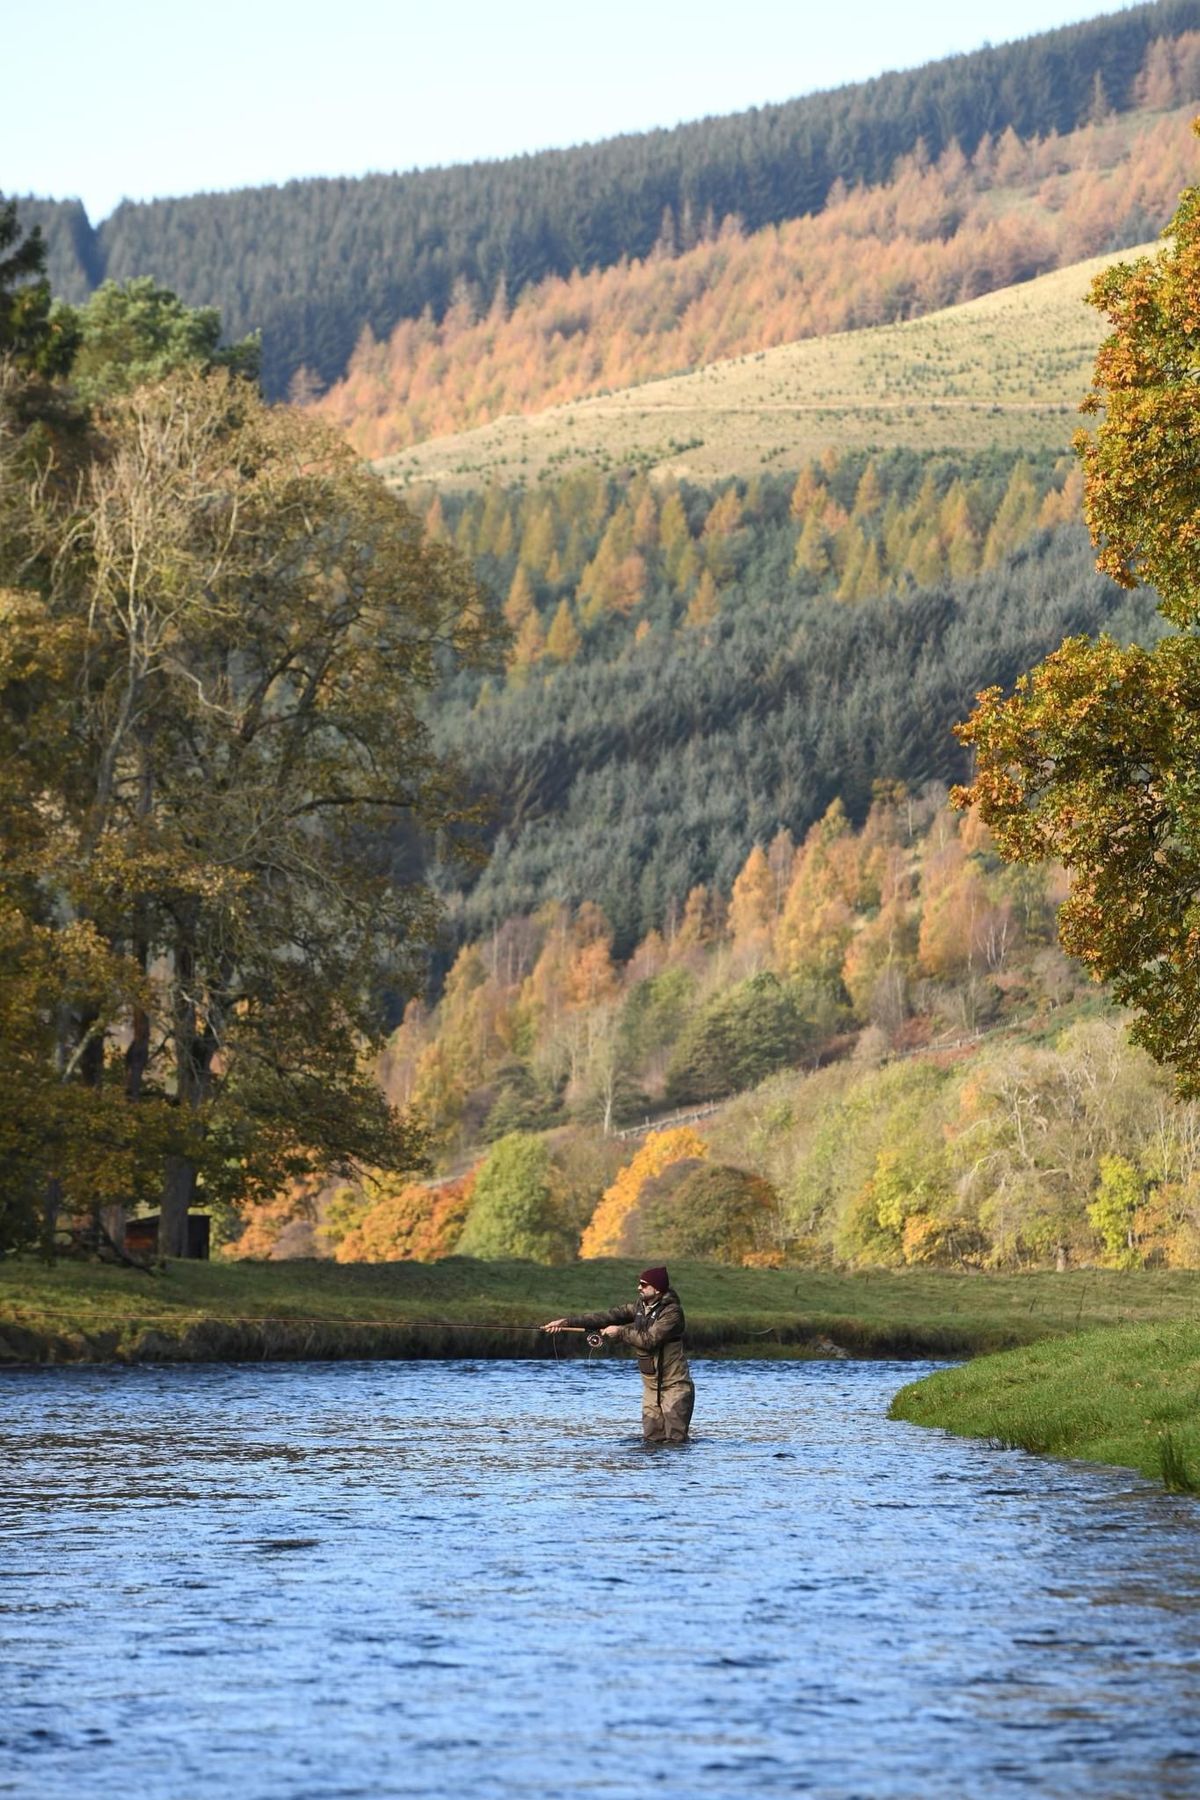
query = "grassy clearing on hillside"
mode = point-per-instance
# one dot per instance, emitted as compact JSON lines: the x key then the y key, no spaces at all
{"x":1129,"y":1396}
{"x":214,"y":1311}
{"x":1007,"y":370}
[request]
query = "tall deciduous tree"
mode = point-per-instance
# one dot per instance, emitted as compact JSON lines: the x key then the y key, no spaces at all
{"x":518,"y":1208}
{"x":252,"y":623}
{"x":1095,"y":759}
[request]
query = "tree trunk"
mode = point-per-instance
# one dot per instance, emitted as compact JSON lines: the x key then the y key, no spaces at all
{"x":112,"y":1219}
{"x":195,"y":1048}
{"x":179,"y":1186}
{"x":137,"y":1056}
{"x":52,"y":1206}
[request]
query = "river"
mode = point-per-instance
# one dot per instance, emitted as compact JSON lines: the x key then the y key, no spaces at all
{"x":336,"y":1580}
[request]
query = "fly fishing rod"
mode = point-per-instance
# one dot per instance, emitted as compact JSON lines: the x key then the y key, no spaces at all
{"x":195,"y":1315}
{"x":595,"y":1338}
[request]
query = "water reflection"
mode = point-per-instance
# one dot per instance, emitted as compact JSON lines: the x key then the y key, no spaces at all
{"x":416,"y":1579}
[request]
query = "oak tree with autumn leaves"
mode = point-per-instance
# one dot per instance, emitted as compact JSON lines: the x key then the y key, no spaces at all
{"x":219,"y":633}
{"x":1095,"y":758}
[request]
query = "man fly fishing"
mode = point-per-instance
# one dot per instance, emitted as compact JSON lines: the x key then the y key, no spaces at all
{"x":654,"y":1327}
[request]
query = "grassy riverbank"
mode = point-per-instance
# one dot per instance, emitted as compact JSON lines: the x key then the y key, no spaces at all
{"x":1129,"y":1395}
{"x":219,"y":1311}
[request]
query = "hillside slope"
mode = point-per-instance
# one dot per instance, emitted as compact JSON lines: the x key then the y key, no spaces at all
{"x":312,"y":262}
{"x":935,"y":234}
{"x":1006,"y":371}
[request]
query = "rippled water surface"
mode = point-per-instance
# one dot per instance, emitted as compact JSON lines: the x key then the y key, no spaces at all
{"x":456,"y":1579}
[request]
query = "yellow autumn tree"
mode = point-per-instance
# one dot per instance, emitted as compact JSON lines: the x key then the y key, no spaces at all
{"x":752,"y":903}
{"x":519,"y":604}
{"x":1015,"y":517}
{"x":812,"y":549}
{"x":703,"y":606}
{"x":703,"y":919}
{"x":409,"y":1222}
{"x":808,"y":494}
{"x":660,"y":1150}
{"x":563,"y":641}
{"x":529,"y":646}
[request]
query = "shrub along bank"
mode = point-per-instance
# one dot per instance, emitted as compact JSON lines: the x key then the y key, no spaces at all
{"x":72,"y":1312}
{"x":1129,"y":1395}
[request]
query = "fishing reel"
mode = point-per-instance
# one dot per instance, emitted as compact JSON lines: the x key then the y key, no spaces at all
{"x":594,"y":1339}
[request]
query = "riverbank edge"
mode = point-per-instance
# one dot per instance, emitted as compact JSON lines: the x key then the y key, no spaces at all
{"x":1127,"y":1396}
{"x":278,"y":1340}
{"x":89,"y":1312}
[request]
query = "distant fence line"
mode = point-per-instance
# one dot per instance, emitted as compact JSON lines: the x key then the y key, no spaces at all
{"x":666,"y":1121}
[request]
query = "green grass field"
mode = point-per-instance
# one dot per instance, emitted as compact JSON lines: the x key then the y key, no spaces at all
{"x":1129,"y":1396}
{"x":213,"y":1311}
{"x":1006,"y":370}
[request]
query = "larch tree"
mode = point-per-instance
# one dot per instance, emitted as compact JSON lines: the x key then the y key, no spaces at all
{"x":752,"y":904}
{"x":704,"y":605}
{"x":563,"y":640}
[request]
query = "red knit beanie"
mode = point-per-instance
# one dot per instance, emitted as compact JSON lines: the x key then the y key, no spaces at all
{"x":658,"y":1278}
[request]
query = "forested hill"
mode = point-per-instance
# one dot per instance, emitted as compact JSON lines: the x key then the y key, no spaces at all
{"x":312,"y":263}
{"x":693,"y":669}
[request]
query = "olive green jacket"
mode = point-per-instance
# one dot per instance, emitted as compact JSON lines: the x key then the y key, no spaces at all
{"x":655,"y":1331}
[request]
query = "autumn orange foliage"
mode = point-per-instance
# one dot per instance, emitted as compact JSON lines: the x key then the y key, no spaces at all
{"x":603,"y":1234}
{"x":411,"y":1224}
{"x":934,"y":235}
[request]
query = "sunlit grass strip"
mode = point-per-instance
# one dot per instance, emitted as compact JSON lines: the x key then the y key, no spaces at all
{"x":75,"y":1311}
{"x":1129,"y":1395}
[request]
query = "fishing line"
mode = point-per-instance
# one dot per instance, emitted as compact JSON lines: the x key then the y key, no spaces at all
{"x":193,"y":1314}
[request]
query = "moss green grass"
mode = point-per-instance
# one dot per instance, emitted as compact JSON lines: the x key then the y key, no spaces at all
{"x":1128,"y":1395}
{"x":213,"y":1311}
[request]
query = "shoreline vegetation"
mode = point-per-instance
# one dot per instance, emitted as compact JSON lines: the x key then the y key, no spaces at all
{"x":1126,"y":1396}
{"x":214,"y":1312}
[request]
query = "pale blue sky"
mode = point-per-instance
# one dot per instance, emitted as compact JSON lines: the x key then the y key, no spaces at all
{"x":133,"y":99}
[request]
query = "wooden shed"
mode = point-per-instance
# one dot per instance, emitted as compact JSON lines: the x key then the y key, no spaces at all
{"x":141,"y":1235}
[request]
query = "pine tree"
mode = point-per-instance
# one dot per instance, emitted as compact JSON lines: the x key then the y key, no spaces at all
{"x":40,"y":338}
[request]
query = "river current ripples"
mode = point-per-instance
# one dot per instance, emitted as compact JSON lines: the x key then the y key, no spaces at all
{"x":341,"y":1580}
